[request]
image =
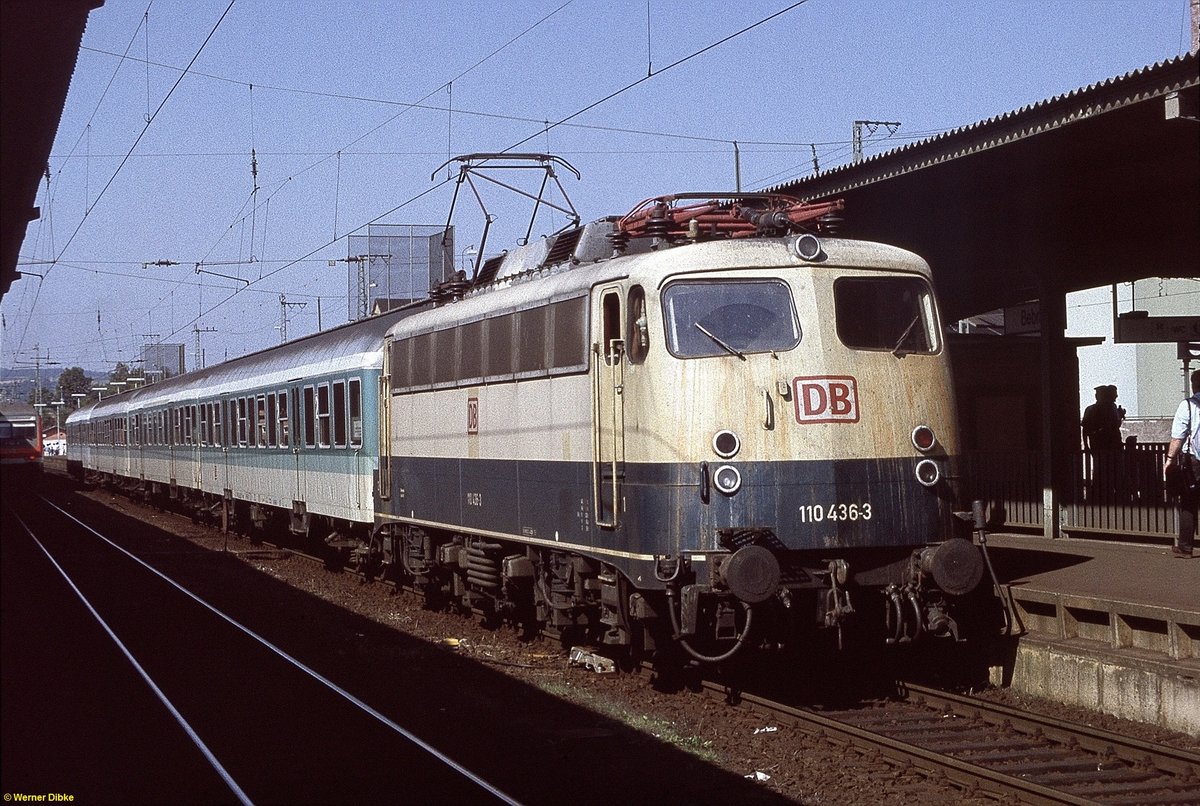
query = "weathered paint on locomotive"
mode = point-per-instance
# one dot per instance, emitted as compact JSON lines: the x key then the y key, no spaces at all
{"x":522,"y":458}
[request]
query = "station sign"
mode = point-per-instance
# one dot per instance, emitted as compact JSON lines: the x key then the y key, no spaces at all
{"x":1023,"y":318}
{"x":1135,"y":329}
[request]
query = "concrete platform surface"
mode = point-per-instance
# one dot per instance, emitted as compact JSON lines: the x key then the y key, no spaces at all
{"x":1107,"y":625}
{"x":1103,"y":569}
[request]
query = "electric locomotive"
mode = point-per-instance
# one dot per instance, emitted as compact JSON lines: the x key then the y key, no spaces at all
{"x":707,"y":424}
{"x":20,"y":437}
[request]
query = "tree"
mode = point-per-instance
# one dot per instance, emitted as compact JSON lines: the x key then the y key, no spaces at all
{"x":119,"y":373}
{"x":45,"y":397}
{"x":73,"y":381}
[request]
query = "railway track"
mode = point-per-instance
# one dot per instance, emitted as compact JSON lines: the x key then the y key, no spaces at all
{"x":988,"y":749}
{"x":985,"y":750}
{"x":983,"y":747}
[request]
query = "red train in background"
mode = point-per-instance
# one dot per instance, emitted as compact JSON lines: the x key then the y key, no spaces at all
{"x":20,"y":437}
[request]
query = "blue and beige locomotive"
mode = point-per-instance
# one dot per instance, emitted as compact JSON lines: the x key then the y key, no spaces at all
{"x":706,"y":425}
{"x":695,"y":424}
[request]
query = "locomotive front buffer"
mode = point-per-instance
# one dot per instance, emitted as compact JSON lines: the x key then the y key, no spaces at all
{"x":757,"y":592}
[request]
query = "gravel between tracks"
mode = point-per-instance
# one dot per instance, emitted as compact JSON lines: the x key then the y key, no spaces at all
{"x":789,"y":762}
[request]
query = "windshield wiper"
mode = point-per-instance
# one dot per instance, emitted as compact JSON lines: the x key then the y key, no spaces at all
{"x":721,"y":342}
{"x":904,"y":336}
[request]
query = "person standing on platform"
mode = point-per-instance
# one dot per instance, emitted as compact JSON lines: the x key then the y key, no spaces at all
{"x":1184,"y":450}
{"x":1102,"y":440}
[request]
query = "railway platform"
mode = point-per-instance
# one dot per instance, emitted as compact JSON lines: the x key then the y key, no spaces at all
{"x":1106,"y":625}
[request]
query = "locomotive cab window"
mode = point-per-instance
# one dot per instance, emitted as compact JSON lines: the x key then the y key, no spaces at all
{"x":611,"y":345}
{"x":729,"y":318}
{"x":637,"y":337}
{"x":886,"y":313}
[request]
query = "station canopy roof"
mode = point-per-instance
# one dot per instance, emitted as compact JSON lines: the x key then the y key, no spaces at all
{"x":1097,"y":186}
{"x":39,"y":44}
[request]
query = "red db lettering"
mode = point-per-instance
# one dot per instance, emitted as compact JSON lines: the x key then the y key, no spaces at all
{"x":825,"y":399}
{"x":840,"y":404}
{"x":472,"y":415}
{"x":815,"y":399}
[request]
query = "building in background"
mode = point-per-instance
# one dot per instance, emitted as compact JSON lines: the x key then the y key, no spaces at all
{"x":396,"y":263}
{"x":162,"y":360}
{"x":1149,"y":376}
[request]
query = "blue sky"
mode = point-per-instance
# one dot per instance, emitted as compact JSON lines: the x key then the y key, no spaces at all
{"x":319,"y":90}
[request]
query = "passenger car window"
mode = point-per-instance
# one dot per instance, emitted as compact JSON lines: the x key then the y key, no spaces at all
{"x":729,"y":318}
{"x":356,"y":435}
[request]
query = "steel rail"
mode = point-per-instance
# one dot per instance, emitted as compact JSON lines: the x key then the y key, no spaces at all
{"x":971,"y":777}
{"x":1135,"y":751}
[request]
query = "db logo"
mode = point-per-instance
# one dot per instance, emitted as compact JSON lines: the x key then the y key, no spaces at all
{"x":825,"y":400}
{"x":472,"y":415}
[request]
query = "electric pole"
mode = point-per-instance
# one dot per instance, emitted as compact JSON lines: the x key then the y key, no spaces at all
{"x":199,"y":357}
{"x":871,"y":126}
{"x":283,"y":315}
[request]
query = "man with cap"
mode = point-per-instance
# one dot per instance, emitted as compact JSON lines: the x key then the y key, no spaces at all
{"x":1101,"y":427}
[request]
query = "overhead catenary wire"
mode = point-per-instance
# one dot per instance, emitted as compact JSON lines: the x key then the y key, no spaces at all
{"x":654,"y":73}
{"x":362,"y":136}
{"x":112,"y":178}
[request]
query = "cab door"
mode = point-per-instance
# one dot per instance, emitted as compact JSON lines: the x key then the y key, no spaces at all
{"x":608,"y":409}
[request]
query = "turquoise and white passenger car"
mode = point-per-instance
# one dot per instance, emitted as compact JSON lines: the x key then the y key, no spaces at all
{"x":289,"y":431}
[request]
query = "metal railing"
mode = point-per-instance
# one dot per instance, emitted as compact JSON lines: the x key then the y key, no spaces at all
{"x":1114,"y":492}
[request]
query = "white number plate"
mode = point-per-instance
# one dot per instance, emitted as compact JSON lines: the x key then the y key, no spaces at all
{"x":816,"y":513}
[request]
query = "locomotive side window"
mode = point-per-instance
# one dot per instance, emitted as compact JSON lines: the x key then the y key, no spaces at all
{"x":422,"y":360}
{"x":531,"y":340}
{"x":535,"y":342}
{"x":471,"y":345}
{"x":401,"y":350}
{"x":443,"y":350}
{"x":499,"y":341}
{"x":570,"y":333}
{"x":886,"y":313}
{"x":218,"y":423}
{"x":729,"y":318}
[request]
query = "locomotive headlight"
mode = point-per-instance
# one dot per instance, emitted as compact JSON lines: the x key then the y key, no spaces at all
{"x":928,"y":472}
{"x":807,"y":246}
{"x":727,"y":479}
{"x":726,"y":444}
{"x":923,"y":438}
